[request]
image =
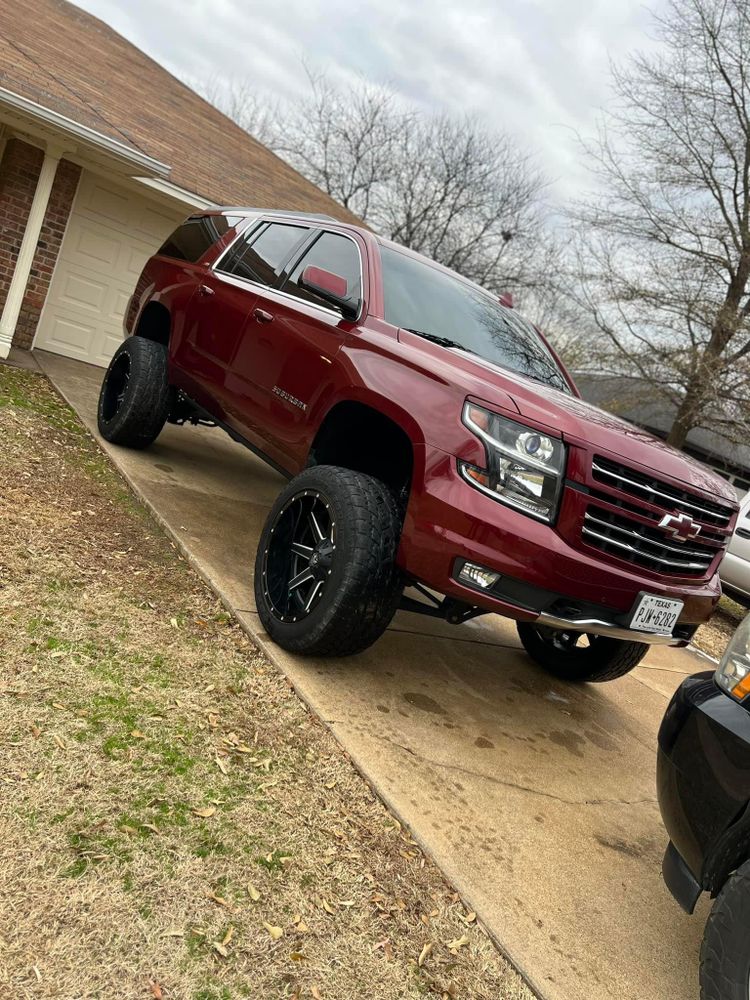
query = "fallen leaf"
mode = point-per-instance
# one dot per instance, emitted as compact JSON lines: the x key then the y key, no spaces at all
{"x":457,"y":943}
{"x":301,"y":927}
{"x":204,"y":812}
{"x":219,"y":899}
{"x":221,"y":765}
{"x":423,"y":955}
{"x":327,"y":906}
{"x":156,"y":991}
{"x":36,"y":732}
{"x":228,"y":936}
{"x":297,"y":956}
{"x":315,"y":992}
{"x":151,"y":827}
{"x":470,"y":917}
{"x":219,"y":947}
{"x":138,"y":735}
{"x":174,"y":933}
{"x":385,"y":944}
{"x":253,"y":892}
{"x":130,"y":830}
{"x":330,"y":784}
{"x":275,"y":932}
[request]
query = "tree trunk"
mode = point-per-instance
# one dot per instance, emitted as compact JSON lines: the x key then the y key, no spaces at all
{"x":709,"y":367}
{"x":684,"y":420}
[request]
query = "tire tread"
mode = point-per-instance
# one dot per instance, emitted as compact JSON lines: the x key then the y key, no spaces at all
{"x":725,"y":952}
{"x":145,"y":408}
{"x":372,"y":585}
{"x":606,"y":660}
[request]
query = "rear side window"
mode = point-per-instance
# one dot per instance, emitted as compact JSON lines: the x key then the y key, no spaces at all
{"x":261,"y":260}
{"x":333,"y":253}
{"x":197,"y":235}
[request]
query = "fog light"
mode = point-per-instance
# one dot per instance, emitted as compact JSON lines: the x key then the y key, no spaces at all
{"x":478,"y":576}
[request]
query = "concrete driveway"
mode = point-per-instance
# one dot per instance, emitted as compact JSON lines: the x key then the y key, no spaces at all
{"x":536,"y":798}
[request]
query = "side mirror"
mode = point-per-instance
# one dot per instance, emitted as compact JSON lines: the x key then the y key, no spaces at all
{"x":331,"y":287}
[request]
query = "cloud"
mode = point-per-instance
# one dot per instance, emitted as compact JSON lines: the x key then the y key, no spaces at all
{"x":536,"y":68}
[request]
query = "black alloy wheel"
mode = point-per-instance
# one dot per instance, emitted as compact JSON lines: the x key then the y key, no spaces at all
{"x":299,"y":559}
{"x":135,"y":395}
{"x":326,"y":580}
{"x":580,"y":656}
{"x":115,"y":386}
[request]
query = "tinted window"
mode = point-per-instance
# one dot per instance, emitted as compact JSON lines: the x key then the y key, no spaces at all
{"x":191,"y":240}
{"x":424,"y":299}
{"x":261,"y":260}
{"x":334,"y":253}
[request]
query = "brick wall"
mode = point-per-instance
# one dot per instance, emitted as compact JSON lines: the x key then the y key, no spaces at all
{"x":19,"y":171}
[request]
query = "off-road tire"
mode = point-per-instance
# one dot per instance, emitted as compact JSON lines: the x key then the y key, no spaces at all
{"x":132,"y":414}
{"x":604,"y":659}
{"x":362,"y":593}
{"x":725,"y":952}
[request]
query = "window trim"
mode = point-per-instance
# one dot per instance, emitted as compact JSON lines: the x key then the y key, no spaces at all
{"x":197,"y":217}
{"x":288,"y":265}
{"x":292,"y":262}
{"x":256,"y":232}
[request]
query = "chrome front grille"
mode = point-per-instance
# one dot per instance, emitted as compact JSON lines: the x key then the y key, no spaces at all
{"x":659,"y":494}
{"x":623,"y":518}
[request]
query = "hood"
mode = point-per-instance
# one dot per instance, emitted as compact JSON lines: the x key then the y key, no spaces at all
{"x":580,"y":423}
{"x":584,"y":424}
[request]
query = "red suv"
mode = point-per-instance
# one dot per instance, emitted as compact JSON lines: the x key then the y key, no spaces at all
{"x":432,"y":438}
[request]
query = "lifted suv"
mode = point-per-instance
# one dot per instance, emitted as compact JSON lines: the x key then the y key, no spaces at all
{"x":432,"y":438}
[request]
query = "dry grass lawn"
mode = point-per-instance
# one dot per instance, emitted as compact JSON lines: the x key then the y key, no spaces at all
{"x":174,"y":823}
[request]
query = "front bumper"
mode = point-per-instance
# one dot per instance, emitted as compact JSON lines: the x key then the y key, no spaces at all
{"x":597,"y":626}
{"x":703,"y":785}
{"x":447,"y":521}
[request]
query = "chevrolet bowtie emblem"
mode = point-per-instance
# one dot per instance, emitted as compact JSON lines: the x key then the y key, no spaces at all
{"x":680,"y":526}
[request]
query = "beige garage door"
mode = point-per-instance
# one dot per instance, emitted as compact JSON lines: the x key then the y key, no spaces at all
{"x":110,"y":235}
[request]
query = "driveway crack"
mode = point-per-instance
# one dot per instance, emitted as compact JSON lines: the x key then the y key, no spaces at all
{"x":516,"y":786}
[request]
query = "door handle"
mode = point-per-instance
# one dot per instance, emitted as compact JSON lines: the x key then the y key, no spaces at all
{"x":262,"y":316}
{"x":743,"y":533}
{"x":205,"y":291}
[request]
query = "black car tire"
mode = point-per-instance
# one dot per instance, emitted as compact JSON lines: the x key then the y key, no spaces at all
{"x":134,"y":399}
{"x":725,"y":952}
{"x":359,"y":590}
{"x":603,"y":659}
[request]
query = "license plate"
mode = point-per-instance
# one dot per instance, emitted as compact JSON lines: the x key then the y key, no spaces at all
{"x":655,"y":614}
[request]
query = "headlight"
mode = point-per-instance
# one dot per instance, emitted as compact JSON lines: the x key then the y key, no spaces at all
{"x":733,"y":674}
{"x":524,"y":467}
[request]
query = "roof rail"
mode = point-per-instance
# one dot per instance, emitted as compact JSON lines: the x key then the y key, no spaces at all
{"x":244,"y":210}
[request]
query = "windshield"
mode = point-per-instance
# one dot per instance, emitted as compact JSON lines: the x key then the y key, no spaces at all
{"x":426,"y":300}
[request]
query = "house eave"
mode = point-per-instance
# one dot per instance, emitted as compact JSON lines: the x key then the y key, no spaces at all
{"x":73,"y":130}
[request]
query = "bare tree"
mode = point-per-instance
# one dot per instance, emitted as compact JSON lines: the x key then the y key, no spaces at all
{"x":467,"y":197}
{"x":665,"y":263}
{"x":344,"y":139}
{"x":446,"y":186}
{"x":255,"y":112}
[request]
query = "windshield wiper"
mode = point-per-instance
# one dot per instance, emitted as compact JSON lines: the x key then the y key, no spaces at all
{"x":443,"y":341}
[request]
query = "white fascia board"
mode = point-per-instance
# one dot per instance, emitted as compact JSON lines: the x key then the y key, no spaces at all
{"x":82,"y":133}
{"x":188,"y":198}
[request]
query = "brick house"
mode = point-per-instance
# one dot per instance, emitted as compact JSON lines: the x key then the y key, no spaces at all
{"x":102,"y":153}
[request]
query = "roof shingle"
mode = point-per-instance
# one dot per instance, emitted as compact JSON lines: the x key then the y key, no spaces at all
{"x":61,"y":57}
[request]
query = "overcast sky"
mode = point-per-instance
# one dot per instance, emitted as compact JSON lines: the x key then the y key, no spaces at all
{"x":537,"y":68}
